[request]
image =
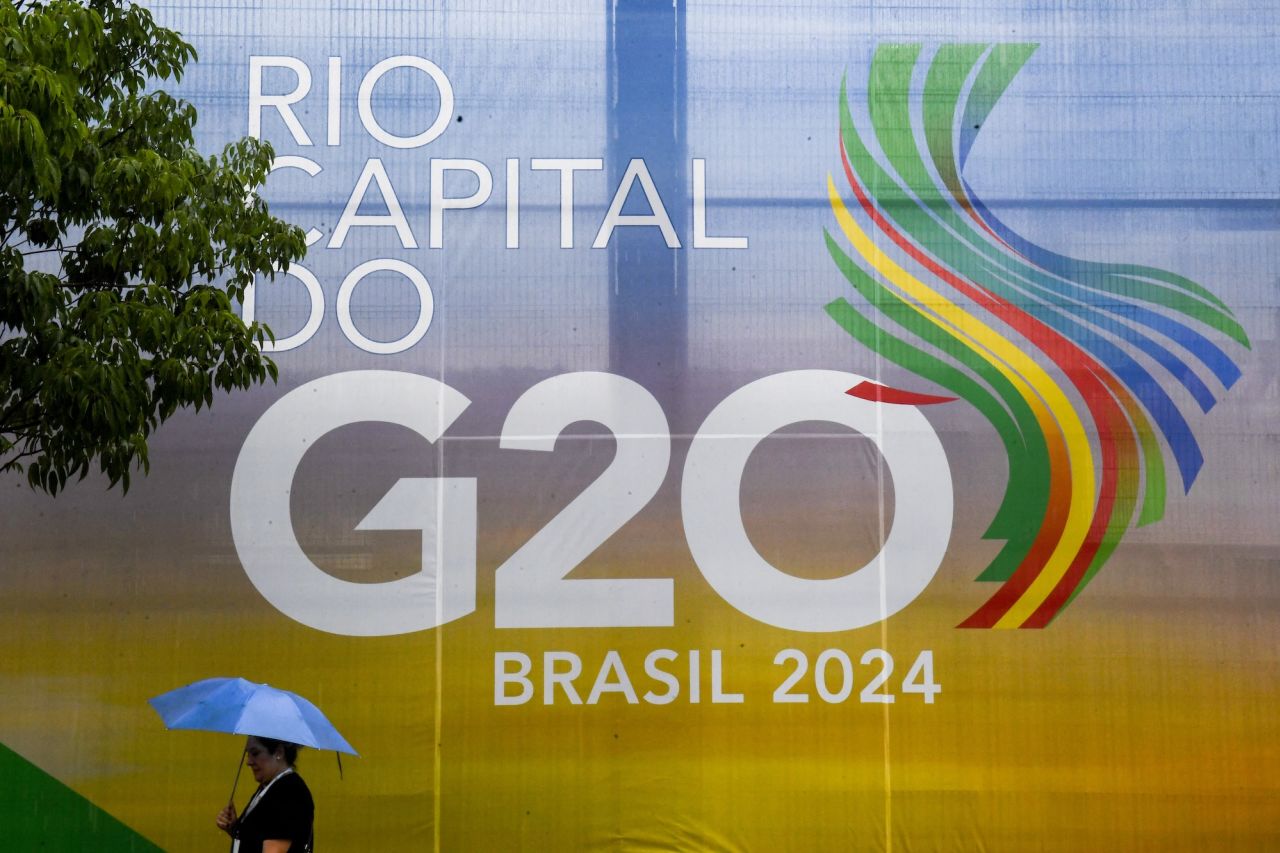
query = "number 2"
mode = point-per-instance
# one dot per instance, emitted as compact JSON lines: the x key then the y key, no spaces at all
{"x":530,"y":587}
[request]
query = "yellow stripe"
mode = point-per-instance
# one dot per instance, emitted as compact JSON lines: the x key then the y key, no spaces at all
{"x":1060,"y":423}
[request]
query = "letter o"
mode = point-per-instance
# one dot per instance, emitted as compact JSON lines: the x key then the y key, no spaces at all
{"x":365,"y":101}
{"x":426,"y":306}
{"x":710,"y":503}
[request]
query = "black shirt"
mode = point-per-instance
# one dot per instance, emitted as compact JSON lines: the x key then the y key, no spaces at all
{"x":284,"y":813}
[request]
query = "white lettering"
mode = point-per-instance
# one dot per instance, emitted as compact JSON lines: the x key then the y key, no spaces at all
{"x":312,"y":168}
{"x":551,"y":676}
{"x":713,"y":523}
{"x":501,"y":678}
{"x":333,"y":126}
{"x":440,"y":203}
{"x":444,"y":112}
{"x":373,"y":172}
{"x":718,"y":694}
{"x":700,"y":238}
{"x":636,"y":171}
{"x":443,"y":509}
{"x":513,"y":203}
{"x":257,"y":100}
{"x":566,"y":168}
{"x":651,"y":669}
{"x":426,"y":306}
{"x":315,"y":294}
{"x":695,"y":678}
{"x":620,"y":683}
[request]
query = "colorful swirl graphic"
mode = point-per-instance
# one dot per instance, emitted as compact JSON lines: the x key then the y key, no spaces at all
{"x":1056,"y":353}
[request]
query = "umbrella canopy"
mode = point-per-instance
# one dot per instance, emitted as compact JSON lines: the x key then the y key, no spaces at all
{"x":237,"y":706}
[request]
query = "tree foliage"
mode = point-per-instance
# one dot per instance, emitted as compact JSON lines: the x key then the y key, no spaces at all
{"x":122,"y":248}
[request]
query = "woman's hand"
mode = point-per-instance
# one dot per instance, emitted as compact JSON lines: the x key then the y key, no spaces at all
{"x":226,"y":819}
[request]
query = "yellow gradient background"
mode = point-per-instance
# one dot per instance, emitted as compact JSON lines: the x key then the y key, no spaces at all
{"x":1142,"y":719}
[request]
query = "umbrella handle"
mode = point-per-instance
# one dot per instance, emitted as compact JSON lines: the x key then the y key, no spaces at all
{"x":240,"y":766}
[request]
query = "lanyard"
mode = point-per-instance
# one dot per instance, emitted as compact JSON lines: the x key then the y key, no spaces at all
{"x":262,"y":792}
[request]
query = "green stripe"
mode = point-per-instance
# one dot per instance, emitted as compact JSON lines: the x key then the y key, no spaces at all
{"x":37,"y":812}
{"x":1003,"y":64}
{"x":950,"y":68}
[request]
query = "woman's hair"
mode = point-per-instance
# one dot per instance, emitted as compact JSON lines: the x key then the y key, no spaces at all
{"x":290,"y":749}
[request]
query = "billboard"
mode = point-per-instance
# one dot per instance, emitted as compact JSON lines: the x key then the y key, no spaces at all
{"x":707,"y":427}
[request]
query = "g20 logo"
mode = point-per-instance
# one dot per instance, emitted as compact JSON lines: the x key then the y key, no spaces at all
{"x":531,"y":588}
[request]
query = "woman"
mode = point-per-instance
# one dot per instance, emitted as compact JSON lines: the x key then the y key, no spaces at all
{"x":279,"y":816}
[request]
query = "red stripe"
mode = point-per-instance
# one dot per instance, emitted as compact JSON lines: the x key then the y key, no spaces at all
{"x":1113,"y":458}
{"x":877,"y":393}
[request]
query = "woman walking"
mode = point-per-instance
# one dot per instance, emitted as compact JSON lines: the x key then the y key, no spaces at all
{"x":279,"y":817}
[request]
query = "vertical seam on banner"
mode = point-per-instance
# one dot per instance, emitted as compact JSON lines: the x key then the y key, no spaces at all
{"x":884,"y":616}
{"x":437,"y":733}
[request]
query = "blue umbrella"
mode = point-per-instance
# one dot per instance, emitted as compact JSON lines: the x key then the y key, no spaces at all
{"x":237,"y":706}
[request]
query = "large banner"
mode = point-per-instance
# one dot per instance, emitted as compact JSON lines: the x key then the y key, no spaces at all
{"x":707,"y":426}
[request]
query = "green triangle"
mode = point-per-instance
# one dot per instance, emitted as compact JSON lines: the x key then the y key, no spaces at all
{"x":37,"y":812}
